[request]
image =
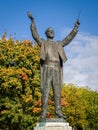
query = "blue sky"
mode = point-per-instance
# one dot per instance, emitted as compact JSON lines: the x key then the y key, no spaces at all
{"x":82,"y":65}
{"x":56,"y":13}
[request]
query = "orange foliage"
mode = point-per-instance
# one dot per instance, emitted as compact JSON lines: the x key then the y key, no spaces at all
{"x":28,"y":99}
{"x":36,"y":110}
{"x":24,"y":76}
{"x":26,"y":42}
{"x":49,"y":115}
{"x":63,"y":102}
{"x":50,"y":102}
{"x":38,"y":103}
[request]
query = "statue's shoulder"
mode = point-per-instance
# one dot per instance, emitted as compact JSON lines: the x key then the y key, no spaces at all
{"x":42,"y":41}
{"x":58,"y":42}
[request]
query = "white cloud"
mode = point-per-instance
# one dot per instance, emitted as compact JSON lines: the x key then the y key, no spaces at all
{"x":82,"y":66}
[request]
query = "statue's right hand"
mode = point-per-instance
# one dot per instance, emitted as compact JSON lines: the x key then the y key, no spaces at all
{"x":77,"y":23}
{"x":30,"y":15}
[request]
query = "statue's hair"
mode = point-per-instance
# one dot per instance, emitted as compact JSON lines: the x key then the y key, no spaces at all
{"x":50,"y":28}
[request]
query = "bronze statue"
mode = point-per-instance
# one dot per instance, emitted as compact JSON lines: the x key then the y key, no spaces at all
{"x":52,"y":56}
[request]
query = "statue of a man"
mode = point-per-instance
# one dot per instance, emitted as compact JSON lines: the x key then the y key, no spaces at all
{"x":52,"y":56}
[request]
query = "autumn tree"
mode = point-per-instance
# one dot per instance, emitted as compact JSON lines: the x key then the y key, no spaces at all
{"x":91,"y":98}
{"x":19,"y":83}
{"x":81,"y":107}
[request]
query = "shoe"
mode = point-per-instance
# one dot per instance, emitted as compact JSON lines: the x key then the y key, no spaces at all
{"x":61,"y":116}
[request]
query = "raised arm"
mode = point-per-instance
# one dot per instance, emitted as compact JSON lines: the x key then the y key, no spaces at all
{"x":34,"y":30}
{"x":71,"y":35}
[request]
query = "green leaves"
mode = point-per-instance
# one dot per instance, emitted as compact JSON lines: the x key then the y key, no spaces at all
{"x":82,"y":106}
{"x":19,"y":74}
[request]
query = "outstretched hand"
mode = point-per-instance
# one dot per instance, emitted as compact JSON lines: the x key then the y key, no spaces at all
{"x":30,"y":15}
{"x":77,"y":23}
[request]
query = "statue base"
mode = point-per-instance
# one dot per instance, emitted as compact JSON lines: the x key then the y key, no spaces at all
{"x":53,"y":124}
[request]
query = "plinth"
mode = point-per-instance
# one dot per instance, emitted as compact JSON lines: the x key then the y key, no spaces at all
{"x":53,"y":124}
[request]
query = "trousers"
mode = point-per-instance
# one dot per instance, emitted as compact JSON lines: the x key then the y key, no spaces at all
{"x":51,"y":77}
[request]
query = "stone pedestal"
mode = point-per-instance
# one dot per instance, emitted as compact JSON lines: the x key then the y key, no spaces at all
{"x":54,"y":125}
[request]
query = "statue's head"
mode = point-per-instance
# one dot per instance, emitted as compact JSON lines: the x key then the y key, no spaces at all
{"x":49,"y":33}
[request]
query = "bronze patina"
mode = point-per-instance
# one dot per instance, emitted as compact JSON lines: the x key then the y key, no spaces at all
{"x":52,"y":56}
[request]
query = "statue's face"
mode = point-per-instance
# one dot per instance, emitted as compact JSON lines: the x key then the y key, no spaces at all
{"x":50,"y":33}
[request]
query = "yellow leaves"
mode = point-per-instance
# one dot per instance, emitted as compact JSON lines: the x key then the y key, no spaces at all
{"x":5,"y":72}
{"x":36,"y":59}
{"x":34,"y":67}
{"x":24,"y":71}
{"x":3,"y":111}
{"x":4,"y":85}
{"x":28,"y":99}
{"x":26,"y":42}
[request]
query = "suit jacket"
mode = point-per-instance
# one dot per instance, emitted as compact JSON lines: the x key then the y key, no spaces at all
{"x":60,"y":49}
